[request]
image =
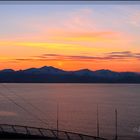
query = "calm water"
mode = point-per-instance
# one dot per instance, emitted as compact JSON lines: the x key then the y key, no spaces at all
{"x":77,"y":107}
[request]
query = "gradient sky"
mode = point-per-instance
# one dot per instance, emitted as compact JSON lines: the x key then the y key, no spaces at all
{"x":70,"y":37}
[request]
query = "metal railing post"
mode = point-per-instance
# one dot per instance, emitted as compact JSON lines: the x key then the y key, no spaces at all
{"x":81,"y":137}
{"x":14,"y":128}
{"x":67,"y":135}
{"x":40,"y":132}
{"x":1,"y":129}
{"x":28,"y":132}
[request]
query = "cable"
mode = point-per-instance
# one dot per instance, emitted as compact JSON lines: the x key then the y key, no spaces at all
{"x":33,"y":115}
{"x":36,"y":108}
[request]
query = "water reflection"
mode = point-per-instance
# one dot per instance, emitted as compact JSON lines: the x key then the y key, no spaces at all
{"x":77,"y":106}
{"x":7,"y":113}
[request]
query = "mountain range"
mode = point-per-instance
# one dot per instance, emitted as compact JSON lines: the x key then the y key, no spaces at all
{"x":49,"y":74}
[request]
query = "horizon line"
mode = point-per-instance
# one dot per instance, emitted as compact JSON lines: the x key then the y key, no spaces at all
{"x":67,"y":70}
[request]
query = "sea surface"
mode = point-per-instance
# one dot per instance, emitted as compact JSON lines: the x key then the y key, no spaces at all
{"x":76,"y":105}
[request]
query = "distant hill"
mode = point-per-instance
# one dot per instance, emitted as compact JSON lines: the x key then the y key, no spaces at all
{"x":49,"y":74}
{"x":44,"y":70}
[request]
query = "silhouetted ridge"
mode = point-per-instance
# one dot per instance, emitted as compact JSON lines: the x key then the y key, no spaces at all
{"x":86,"y":72}
{"x":31,"y":70}
{"x":108,"y":73}
{"x":50,"y":69}
{"x":49,"y":74}
{"x":7,"y":70}
{"x":44,"y":70}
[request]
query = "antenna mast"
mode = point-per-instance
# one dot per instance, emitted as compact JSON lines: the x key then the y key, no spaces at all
{"x":57,"y":120}
{"x":116,"y":124}
{"x":98,"y":132}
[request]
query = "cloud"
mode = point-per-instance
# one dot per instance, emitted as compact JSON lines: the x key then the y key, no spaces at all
{"x":86,"y":36}
{"x":37,"y":44}
{"x":108,"y":56}
{"x":124,"y":55}
{"x":120,"y":56}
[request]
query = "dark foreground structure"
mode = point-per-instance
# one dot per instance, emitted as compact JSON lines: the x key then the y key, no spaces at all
{"x":25,"y":132}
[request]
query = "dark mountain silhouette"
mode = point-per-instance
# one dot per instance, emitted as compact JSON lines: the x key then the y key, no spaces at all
{"x":7,"y":70}
{"x":106,"y":73}
{"x":49,"y":74}
{"x":84,"y":72}
{"x":44,"y":70}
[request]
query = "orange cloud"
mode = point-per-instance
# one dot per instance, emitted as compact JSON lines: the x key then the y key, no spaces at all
{"x":60,"y":48}
{"x":114,"y":61}
{"x":126,"y":55}
{"x":100,"y":36}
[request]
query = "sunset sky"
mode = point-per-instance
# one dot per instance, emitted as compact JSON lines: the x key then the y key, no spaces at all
{"x":70,"y":37}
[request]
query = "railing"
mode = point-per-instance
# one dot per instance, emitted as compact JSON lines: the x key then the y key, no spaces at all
{"x":43,"y":132}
